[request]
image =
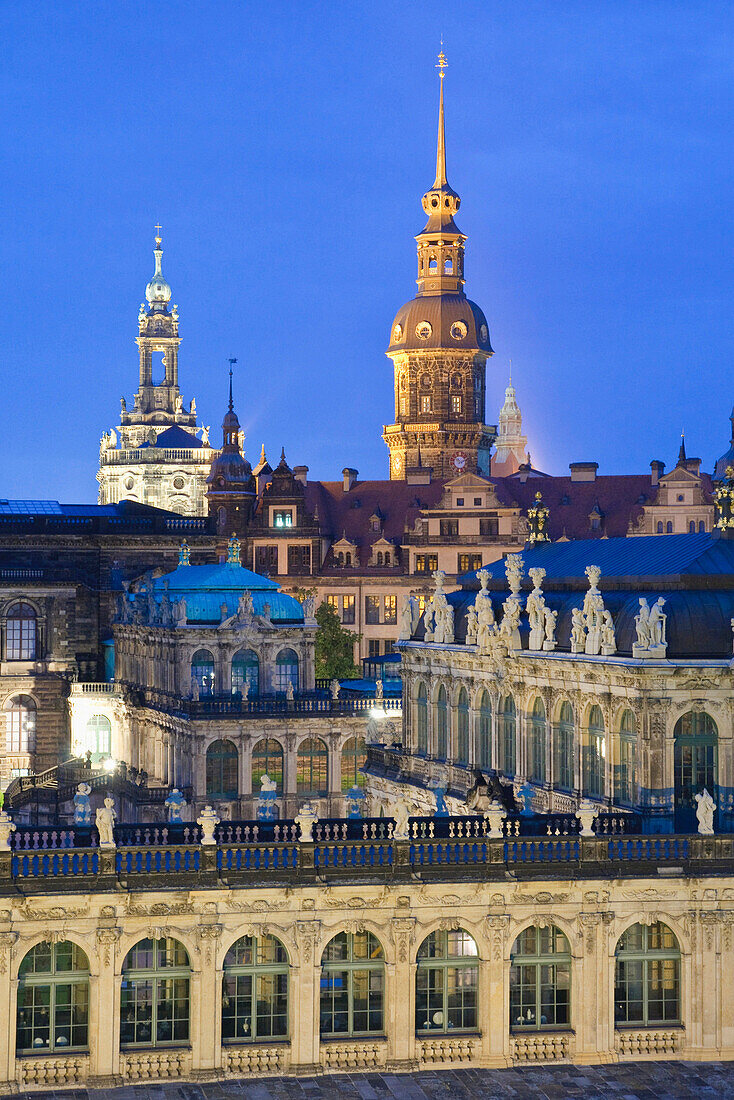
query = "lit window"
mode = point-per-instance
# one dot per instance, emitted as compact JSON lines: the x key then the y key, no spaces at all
{"x":391,"y":609}
{"x":456,"y":404}
{"x":282,"y":519}
{"x":20,"y":719}
{"x":426,"y":403}
{"x":348,"y":609}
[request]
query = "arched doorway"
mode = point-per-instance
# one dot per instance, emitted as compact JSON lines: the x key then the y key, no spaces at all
{"x":694,"y":765}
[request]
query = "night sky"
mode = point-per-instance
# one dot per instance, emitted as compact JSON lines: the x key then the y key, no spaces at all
{"x":285,"y":148}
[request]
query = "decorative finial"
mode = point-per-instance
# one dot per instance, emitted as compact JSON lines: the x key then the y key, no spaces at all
{"x":233,"y":551}
{"x":158,"y":239}
{"x":442,"y":62}
{"x":510,"y":371}
{"x":231,"y":364}
{"x":263,"y":459}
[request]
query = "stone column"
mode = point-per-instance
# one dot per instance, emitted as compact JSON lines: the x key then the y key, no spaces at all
{"x":400,"y":995}
{"x":8,"y":994}
{"x":305,"y":1043}
{"x":591,"y":995}
{"x":207,"y":983}
{"x":494,"y":1003}
{"x":104,"y":1010}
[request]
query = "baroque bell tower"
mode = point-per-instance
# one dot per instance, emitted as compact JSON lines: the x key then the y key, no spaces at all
{"x":439,"y":346}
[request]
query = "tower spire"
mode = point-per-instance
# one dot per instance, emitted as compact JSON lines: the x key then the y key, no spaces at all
{"x":441,"y":180}
{"x":231,"y":364}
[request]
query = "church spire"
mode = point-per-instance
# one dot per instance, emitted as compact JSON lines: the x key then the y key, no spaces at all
{"x":158,"y":292}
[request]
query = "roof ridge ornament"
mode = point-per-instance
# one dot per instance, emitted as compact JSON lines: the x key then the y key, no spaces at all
{"x":233,"y":551}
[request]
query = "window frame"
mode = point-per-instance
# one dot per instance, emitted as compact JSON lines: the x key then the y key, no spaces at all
{"x":21,"y":632}
{"x":646,"y":956}
{"x":155,"y":976}
{"x":53,"y":979}
{"x":536,"y":961}
{"x":256,"y":971}
{"x":350,"y":966}
{"x":442,"y":961}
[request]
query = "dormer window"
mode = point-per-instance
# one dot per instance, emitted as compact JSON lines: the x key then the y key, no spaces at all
{"x":282,"y":518}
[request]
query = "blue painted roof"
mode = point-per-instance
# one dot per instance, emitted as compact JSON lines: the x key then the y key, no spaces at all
{"x":207,"y":587}
{"x":646,"y":556}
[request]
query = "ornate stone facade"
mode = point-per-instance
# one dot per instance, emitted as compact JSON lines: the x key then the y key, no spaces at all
{"x":590,"y":914}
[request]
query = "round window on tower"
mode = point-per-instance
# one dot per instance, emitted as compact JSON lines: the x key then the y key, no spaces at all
{"x":129,"y":483}
{"x":178,"y":483}
{"x":483,"y":334}
{"x":458,"y":330}
{"x":423,"y":330}
{"x":397,"y":334}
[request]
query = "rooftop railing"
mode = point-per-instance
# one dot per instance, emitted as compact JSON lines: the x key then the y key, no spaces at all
{"x":67,"y":859}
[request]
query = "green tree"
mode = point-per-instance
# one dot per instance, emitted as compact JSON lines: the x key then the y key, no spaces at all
{"x":334,"y":646}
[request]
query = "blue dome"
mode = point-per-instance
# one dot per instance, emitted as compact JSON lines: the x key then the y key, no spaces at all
{"x":206,"y":587}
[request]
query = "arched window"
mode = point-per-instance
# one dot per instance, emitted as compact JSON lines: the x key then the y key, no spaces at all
{"x":246,"y":670}
{"x":154,"y":1002}
{"x":484,"y":748}
{"x":446,"y":980}
{"x":222,"y":761}
{"x":442,"y":724}
{"x":669,"y":527}
{"x":267,"y":759}
{"x":53,"y":999}
{"x":312,"y":769}
{"x":701,"y":527}
{"x":387,"y":557}
{"x":536,"y":761}
{"x":202,"y":671}
{"x":354,"y":757}
{"x":448,"y":267}
{"x":660,"y":527}
{"x":340,"y":558}
{"x":540,"y":980}
{"x":379,"y":557}
{"x":647,"y":977}
{"x":352,"y":985}
{"x":432,"y":265}
{"x":421,"y":720}
{"x":20,"y":719}
{"x":99,"y":737}
{"x":625,"y":778}
{"x":20,"y":639}
{"x":286,"y":670}
{"x":563,"y":748}
{"x":462,"y":728}
{"x":691,"y":527}
{"x":507,"y":718}
{"x":255,"y":990}
{"x":348,"y":558}
{"x":594,"y":755}
{"x":695,"y":741}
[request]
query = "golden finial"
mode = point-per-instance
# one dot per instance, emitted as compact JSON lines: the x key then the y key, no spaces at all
{"x":442,"y":62}
{"x":158,"y":239}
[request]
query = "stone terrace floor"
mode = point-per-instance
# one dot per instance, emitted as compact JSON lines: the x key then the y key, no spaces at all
{"x":625,"y":1081}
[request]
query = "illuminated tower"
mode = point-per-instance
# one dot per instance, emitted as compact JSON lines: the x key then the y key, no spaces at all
{"x":155,"y":456}
{"x":439,"y":346}
{"x":511,"y":451}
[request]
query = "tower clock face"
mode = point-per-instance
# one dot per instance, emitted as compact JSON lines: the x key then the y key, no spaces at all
{"x":459,"y":461}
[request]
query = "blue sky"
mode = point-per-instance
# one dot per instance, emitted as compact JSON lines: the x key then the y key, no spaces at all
{"x":285,"y":148}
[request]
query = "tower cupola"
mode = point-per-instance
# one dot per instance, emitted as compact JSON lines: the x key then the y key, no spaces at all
{"x":158,"y":292}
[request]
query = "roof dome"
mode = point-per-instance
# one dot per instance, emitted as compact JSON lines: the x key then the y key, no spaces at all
{"x":158,"y":290}
{"x":440,"y":321}
{"x":207,"y":587}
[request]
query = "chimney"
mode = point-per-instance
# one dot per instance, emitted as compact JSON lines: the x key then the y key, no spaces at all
{"x":693,"y":465}
{"x":300,"y":473}
{"x":583,"y":471}
{"x":350,"y":476}
{"x":657,"y":469}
